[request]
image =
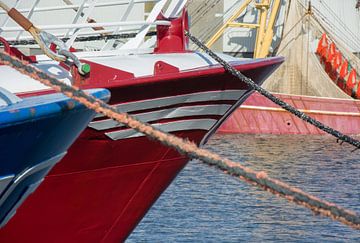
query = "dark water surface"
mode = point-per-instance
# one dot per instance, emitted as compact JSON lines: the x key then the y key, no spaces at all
{"x":206,"y":205}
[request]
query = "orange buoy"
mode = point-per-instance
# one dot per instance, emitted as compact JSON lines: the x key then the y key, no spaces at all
{"x":344,"y":69}
{"x":330,"y":56}
{"x":335,"y":64}
{"x":351,"y":82}
{"x":342,"y":74}
{"x":323,"y":46}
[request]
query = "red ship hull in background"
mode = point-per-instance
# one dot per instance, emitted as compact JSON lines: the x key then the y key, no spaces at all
{"x":318,"y":77}
{"x":258,"y":115}
{"x":112,"y":175}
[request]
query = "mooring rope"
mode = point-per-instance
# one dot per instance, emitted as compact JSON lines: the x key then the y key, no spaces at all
{"x":273,"y":98}
{"x":261,"y":179}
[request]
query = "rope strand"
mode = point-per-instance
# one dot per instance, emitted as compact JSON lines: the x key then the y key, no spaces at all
{"x":260,"y":179}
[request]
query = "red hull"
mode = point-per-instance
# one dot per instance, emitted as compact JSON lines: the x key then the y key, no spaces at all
{"x":258,"y":115}
{"x":103,"y":187}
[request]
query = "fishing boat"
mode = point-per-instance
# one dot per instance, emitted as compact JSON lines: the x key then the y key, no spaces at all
{"x":112,"y":174}
{"x":258,"y":115}
{"x":35,"y":134}
{"x":317,"y":39}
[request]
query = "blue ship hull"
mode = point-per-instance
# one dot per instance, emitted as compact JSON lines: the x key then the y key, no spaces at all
{"x":34,"y":135}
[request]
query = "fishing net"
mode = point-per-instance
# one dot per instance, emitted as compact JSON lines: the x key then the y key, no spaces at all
{"x":302,"y":73}
{"x":204,"y":20}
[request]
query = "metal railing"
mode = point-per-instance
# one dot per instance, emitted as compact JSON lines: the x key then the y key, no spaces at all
{"x":80,"y":20}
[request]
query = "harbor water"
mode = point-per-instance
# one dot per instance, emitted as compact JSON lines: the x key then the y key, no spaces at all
{"x":204,"y":204}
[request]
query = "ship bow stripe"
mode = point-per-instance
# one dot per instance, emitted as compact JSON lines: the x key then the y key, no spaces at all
{"x":185,"y":125}
{"x":188,"y":111}
{"x":179,"y":99}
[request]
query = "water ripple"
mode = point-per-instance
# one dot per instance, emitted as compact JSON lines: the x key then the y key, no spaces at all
{"x":205,"y":205}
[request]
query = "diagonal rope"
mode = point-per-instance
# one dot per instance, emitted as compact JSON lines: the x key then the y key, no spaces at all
{"x":267,"y":94}
{"x":260,"y":179}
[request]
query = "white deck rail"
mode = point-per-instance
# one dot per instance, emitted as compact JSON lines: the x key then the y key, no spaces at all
{"x":80,"y":18}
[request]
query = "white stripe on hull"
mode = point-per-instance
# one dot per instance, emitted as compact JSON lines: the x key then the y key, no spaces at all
{"x":4,"y":182}
{"x":179,"y":99}
{"x":197,"y":110}
{"x":185,"y":125}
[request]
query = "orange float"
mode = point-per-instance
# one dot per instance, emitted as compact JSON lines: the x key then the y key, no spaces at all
{"x":322,"y":47}
{"x":343,"y":73}
{"x":351,"y":82}
{"x":335,"y":64}
{"x":337,"y":61}
{"x":330,"y":56}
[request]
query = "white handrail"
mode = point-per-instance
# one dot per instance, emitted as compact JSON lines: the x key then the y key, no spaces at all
{"x":90,"y":25}
{"x":29,"y":15}
{"x":128,"y":30}
{"x":65,"y":7}
{"x":111,"y":43}
{"x":7,"y":18}
{"x":138,"y":40}
{"x":175,"y":8}
{"x":84,"y":12}
{"x":80,"y":18}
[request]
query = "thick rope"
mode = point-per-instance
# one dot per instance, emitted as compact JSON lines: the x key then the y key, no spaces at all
{"x":260,"y":179}
{"x":274,"y":99}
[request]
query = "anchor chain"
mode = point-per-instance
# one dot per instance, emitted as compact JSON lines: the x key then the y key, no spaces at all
{"x":260,"y":179}
{"x":274,"y":99}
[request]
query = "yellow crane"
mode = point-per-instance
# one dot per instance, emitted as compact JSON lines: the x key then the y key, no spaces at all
{"x":268,"y":11}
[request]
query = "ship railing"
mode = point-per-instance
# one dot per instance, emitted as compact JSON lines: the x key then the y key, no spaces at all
{"x":81,"y":20}
{"x":35,"y":9}
{"x":91,"y":25}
